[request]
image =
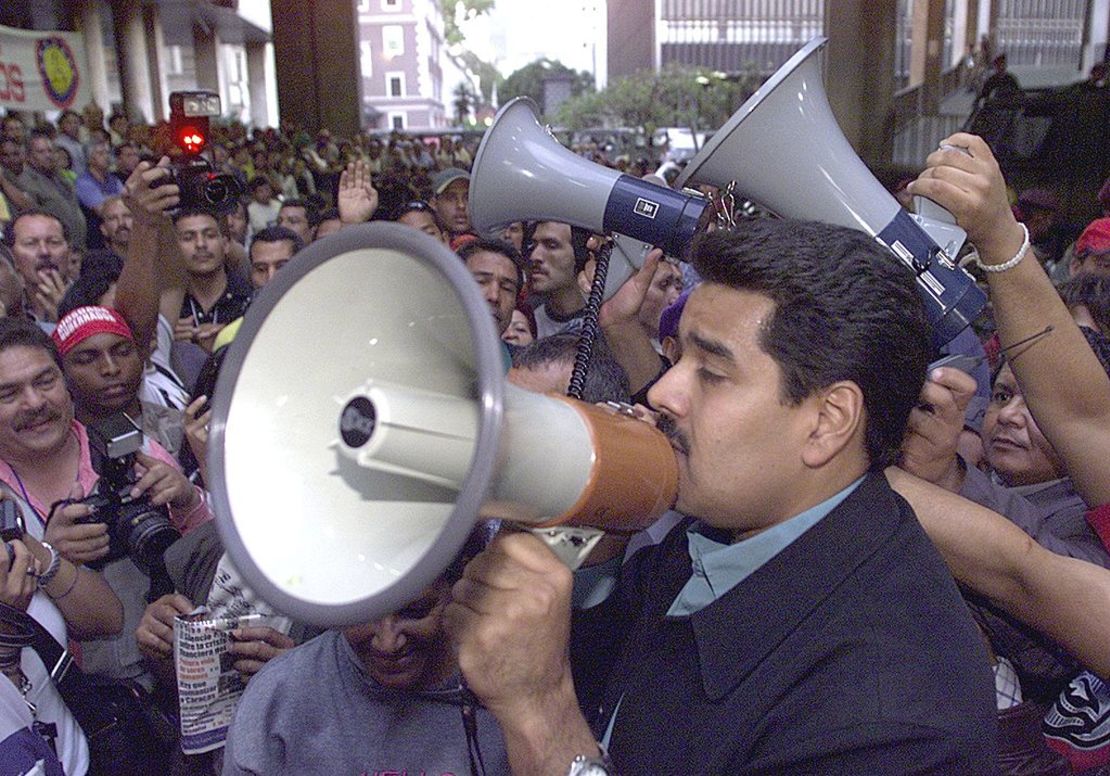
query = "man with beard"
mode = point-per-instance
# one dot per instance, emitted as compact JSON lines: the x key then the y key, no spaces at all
{"x":116,"y":224}
{"x":40,"y":249}
{"x":558,"y":254}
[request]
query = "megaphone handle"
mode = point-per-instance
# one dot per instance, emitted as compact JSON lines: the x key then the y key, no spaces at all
{"x":571,"y":545}
{"x":589,"y":324}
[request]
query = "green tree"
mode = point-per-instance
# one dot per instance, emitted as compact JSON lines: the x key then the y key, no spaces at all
{"x":528,"y":81}
{"x":464,"y":100}
{"x":457,"y":11}
{"x":699,"y":99}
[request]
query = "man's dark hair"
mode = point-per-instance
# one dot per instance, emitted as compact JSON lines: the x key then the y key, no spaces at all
{"x":9,"y":230}
{"x":189,"y":212}
{"x":606,"y":380}
{"x":496,"y":246}
{"x":578,"y":240}
{"x":98,"y":272}
{"x":276,"y":234}
{"x":1093,"y":292}
{"x":311,"y":212}
{"x":844,"y":310}
{"x":20,"y":332}
{"x":38,"y":134}
{"x":331,"y":214}
{"x":418,"y":206}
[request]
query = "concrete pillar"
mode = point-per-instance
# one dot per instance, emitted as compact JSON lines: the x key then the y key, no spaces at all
{"x":1098,"y":33}
{"x":90,"y":23}
{"x":132,"y":58}
{"x":973,"y":28}
{"x":256,"y":78}
{"x":927,"y":50}
{"x":859,"y":72}
{"x":156,"y":56}
{"x":206,"y":57}
{"x":319,"y":52}
{"x":962,"y":20}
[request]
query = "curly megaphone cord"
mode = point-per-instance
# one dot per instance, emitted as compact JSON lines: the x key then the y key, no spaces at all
{"x":590,"y":324}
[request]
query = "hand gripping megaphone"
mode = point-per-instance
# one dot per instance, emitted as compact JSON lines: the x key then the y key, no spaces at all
{"x":784,"y":149}
{"x":361,"y":422}
{"x":522,"y":173}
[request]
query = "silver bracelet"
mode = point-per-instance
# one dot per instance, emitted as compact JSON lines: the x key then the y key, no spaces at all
{"x":52,"y":569}
{"x":1024,"y":249}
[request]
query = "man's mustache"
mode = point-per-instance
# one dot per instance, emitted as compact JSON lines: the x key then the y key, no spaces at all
{"x":27,"y":421}
{"x":667,"y":426}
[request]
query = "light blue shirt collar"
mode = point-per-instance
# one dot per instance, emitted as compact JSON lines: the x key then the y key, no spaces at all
{"x":718,"y":566}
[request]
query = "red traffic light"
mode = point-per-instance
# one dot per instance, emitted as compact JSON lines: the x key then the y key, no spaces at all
{"x":191,"y":139}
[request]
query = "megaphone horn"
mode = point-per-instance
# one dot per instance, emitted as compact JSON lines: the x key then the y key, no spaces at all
{"x":784,"y":149}
{"x":353,"y":448}
{"x":522,"y":173}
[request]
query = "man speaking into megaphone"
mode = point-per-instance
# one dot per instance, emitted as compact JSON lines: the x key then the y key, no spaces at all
{"x":798,"y":620}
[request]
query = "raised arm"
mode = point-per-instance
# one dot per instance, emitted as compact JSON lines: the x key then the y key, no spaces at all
{"x":629,"y":343}
{"x":1066,"y":388}
{"x":1058,"y":596}
{"x":139,"y":291}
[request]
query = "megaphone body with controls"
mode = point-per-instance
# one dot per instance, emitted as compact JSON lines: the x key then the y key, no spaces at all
{"x":784,"y":149}
{"x":361,"y":426}
{"x":522,"y":173}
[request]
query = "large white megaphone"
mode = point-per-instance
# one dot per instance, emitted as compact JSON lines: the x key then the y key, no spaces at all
{"x":784,"y":149}
{"x":522,"y":173}
{"x":361,"y":421}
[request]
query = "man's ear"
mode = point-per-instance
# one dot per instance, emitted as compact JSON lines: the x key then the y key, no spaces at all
{"x":838,"y":420}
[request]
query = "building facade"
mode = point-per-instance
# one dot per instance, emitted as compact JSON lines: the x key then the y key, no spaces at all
{"x":135,"y":52}
{"x":408,"y":77}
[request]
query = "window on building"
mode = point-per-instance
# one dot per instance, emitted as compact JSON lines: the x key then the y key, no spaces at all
{"x":391,"y":5}
{"x":393,"y":40}
{"x":365,"y":58}
{"x":174,"y":64}
{"x":395,"y":84}
{"x":396,"y":120}
{"x":364,"y":6}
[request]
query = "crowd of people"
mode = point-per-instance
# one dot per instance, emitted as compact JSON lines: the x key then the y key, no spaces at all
{"x":873,"y":565}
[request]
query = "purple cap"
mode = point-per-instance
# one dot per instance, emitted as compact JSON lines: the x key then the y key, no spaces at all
{"x":668,"y":321}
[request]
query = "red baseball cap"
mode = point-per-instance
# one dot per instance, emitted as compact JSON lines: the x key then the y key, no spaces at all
{"x":84,"y":322}
{"x":1095,"y":238}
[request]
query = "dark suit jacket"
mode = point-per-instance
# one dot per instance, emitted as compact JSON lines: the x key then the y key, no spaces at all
{"x":849,"y":652}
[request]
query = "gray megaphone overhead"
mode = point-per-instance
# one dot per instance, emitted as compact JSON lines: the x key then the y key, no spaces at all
{"x":361,"y":422}
{"x":522,"y":173}
{"x":784,"y":149}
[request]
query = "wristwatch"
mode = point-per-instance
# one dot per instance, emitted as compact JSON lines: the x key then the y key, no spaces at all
{"x":584,"y":765}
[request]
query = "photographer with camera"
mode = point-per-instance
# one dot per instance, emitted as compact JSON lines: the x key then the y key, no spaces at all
{"x":46,"y":457}
{"x":67,"y":599}
{"x":189,"y":250}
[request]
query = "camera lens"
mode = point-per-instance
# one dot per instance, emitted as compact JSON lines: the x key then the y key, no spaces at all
{"x":149,"y":534}
{"x":216,"y":191}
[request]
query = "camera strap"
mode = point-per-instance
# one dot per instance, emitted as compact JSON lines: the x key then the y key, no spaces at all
{"x":72,"y":683}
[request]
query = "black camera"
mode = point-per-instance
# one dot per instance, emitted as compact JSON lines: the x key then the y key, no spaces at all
{"x":201,"y":186}
{"x":136,"y":528}
{"x":218,"y":193}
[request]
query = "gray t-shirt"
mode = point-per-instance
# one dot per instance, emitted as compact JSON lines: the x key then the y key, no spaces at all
{"x":315,"y":710}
